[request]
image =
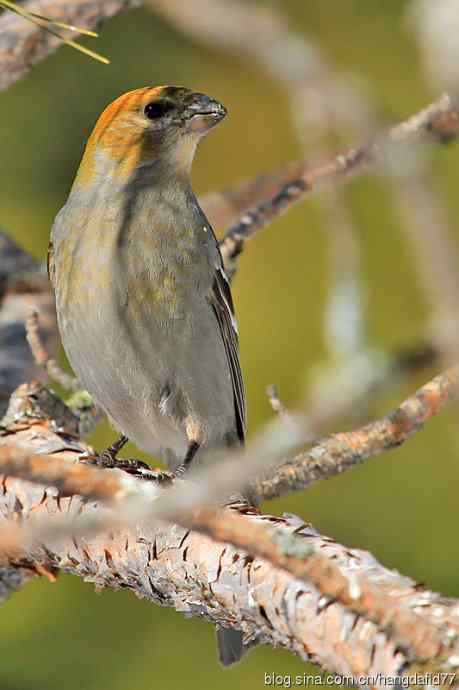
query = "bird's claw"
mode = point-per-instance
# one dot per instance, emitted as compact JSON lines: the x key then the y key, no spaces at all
{"x":130,"y":465}
{"x":107,"y":461}
{"x":180,"y":471}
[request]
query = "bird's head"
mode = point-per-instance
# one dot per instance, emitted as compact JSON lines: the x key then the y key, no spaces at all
{"x":151,"y":126}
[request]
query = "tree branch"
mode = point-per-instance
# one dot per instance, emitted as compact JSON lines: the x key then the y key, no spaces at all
{"x":173,"y":566}
{"x":23,"y":285}
{"x":440,"y":121}
{"x":270,"y":597}
{"x":359,"y":593}
{"x":23,"y":44}
{"x":32,"y":408}
{"x":343,"y":451}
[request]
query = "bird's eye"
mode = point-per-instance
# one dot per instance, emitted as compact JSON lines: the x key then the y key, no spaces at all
{"x":157,"y":109}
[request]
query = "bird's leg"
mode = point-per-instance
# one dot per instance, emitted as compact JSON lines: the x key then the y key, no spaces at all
{"x":108,"y":458}
{"x":109,"y":454}
{"x":194,"y":435}
{"x":191,"y":452}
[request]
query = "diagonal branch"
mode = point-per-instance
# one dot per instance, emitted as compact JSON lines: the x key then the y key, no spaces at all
{"x":23,"y":44}
{"x":176,"y":567}
{"x":440,"y":121}
{"x":359,"y":593}
{"x":283,"y":550}
{"x":340,"y":452}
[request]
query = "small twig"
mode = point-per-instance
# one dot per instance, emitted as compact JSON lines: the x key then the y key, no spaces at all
{"x":23,"y":284}
{"x":80,"y":403}
{"x":42,"y":356}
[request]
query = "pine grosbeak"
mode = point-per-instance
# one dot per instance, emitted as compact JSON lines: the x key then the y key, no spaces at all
{"x":144,"y":307}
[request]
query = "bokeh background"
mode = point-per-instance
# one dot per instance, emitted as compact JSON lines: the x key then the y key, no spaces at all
{"x":401,"y":506}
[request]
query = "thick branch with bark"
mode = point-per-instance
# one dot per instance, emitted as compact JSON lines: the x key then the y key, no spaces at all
{"x":269,"y":597}
{"x":173,"y":566}
{"x":414,"y":627}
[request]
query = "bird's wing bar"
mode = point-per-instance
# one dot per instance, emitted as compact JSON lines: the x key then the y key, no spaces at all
{"x":222,"y":303}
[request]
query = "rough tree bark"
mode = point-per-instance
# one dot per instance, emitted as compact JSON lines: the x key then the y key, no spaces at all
{"x":175,"y":566}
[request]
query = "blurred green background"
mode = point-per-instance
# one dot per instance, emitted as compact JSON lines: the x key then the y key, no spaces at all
{"x":401,"y":506}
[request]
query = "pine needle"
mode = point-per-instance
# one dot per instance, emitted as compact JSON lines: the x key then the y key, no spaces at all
{"x":44,"y":22}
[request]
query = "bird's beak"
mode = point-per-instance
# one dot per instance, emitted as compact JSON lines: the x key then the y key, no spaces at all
{"x":203,"y":113}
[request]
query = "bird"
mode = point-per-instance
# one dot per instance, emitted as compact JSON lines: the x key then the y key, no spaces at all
{"x":143,"y":303}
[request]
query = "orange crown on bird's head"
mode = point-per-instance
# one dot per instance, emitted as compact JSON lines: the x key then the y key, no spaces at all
{"x":150,"y":125}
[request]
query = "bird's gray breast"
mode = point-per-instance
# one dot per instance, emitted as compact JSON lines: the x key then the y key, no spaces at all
{"x":136,"y":321}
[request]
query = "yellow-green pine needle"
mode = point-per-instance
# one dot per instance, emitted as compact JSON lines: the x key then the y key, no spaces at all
{"x":63,"y":25}
{"x":41,"y":22}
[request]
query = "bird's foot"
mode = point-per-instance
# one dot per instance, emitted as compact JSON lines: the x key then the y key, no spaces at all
{"x":109,"y":460}
{"x":108,"y":457}
{"x":103,"y":461}
{"x":131,"y":465}
{"x":180,"y":471}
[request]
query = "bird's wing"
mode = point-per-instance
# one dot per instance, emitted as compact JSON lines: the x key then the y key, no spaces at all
{"x":222,"y":303}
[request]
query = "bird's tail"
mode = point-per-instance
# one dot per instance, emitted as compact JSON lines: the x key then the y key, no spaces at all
{"x":230,"y":647}
{"x":229,"y":640}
